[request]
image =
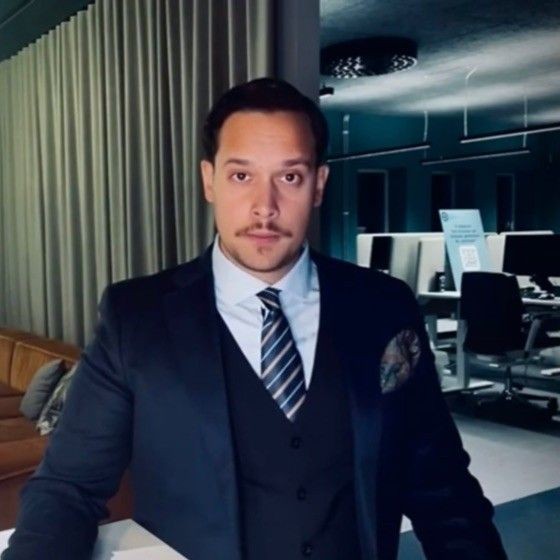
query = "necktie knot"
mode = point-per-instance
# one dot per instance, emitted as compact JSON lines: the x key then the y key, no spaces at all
{"x":270,"y":298}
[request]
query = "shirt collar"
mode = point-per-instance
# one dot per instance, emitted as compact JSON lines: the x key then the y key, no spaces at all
{"x":234,"y":285}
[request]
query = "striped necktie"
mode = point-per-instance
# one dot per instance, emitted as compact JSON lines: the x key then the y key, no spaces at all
{"x":281,"y":365}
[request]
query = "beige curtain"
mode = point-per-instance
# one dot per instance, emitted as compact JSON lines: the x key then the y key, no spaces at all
{"x":99,"y":147}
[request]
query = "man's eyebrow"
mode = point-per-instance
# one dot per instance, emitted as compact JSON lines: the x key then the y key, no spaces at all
{"x":237,"y":161}
{"x":286,"y":163}
{"x":297,"y":161}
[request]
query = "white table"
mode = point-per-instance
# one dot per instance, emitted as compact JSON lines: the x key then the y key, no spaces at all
{"x":123,"y":540}
{"x":462,"y":380}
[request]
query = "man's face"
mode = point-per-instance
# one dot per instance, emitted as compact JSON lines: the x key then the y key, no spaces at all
{"x":263,"y":184}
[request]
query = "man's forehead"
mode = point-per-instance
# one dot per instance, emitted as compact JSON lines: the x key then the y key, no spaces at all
{"x":290,"y":162}
{"x":253,"y":129}
{"x":272,"y":113}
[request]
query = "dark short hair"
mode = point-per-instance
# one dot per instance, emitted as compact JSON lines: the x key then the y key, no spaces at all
{"x":264,"y":94}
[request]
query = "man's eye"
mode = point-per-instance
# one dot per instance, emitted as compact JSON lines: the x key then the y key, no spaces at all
{"x":292,"y":178}
{"x":240,"y":176}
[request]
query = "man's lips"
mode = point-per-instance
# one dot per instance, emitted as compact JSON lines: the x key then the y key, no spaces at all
{"x":263,"y":237}
{"x":264,"y":234}
{"x":260,"y":235}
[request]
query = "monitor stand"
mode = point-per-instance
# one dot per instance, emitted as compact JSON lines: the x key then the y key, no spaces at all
{"x":544,"y":283}
{"x":449,"y":282}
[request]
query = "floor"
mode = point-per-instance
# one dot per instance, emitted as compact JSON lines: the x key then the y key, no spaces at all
{"x":519,"y":470}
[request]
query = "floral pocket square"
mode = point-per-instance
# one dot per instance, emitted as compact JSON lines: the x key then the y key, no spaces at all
{"x":399,"y":360}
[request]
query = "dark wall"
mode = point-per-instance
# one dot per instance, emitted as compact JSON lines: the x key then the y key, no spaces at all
{"x":22,"y":22}
{"x":537,"y":175}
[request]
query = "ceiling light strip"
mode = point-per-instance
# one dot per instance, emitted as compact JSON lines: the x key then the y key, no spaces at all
{"x":510,"y":133}
{"x":377,"y":153}
{"x":487,"y":155}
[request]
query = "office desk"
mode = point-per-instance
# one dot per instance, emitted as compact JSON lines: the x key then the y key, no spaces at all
{"x":452,"y":298}
{"x":123,"y":540}
{"x":541,"y":304}
{"x":455,"y":296}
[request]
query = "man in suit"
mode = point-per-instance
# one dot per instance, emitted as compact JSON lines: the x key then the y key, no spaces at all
{"x":271,"y":403}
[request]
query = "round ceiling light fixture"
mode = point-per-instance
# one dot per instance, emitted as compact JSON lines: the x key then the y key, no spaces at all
{"x":368,"y":57}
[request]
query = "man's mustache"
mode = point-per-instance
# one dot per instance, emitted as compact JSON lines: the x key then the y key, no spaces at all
{"x":263,"y":229}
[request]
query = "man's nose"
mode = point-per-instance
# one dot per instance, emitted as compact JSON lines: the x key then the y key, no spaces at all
{"x":265,"y":204}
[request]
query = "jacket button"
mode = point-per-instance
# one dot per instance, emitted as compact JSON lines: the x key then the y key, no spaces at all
{"x":301,"y":493}
{"x":307,"y":549}
{"x":296,"y":442}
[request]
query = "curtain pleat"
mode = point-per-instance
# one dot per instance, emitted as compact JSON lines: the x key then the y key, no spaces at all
{"x":100,"y":124}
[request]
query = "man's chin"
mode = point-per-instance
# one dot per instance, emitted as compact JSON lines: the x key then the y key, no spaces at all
{"x":265,"y":264}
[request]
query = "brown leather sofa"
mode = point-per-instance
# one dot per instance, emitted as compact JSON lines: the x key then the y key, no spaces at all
{"x":21,"y":446}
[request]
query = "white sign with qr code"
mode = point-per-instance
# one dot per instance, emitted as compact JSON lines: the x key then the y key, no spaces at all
{"x":469,"y":257}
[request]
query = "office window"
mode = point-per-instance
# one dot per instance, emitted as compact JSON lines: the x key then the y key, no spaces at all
{"x":442,"y":196}
{"x":373,"y":201}
{"x":505,"y":202}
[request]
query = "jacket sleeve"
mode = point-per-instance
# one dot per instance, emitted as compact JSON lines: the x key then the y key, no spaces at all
{"x":445,"y":503}
{"x":86,"y":457}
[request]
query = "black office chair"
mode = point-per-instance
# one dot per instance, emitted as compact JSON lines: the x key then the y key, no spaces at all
{"x":492,"y":308}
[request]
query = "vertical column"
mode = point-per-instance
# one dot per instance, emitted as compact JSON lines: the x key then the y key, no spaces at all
{"x":297,"y":61}
{"x":298,"y":44}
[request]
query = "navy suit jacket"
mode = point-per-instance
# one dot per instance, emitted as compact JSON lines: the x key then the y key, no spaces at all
{"x":149,"y":394}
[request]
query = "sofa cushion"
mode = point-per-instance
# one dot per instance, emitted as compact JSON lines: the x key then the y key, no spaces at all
{"x":12,"y":429}
{"x":30,"y":355}
{"x":7,"y":391}
{"x":21,"y":455}
{"x":6,"y":351}
{"x":8,"y":339}
{"x":40,"y":389}
{"x":51,"y":411}
{"x":9,"y":407}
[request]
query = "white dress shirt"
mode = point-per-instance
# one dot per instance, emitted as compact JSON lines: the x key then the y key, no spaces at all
{"x":240,"y":308}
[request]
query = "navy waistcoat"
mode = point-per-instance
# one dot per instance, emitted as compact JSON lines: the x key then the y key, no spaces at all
{"x":296,"y":481}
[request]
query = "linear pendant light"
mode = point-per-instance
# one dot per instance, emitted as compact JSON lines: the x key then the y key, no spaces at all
{"x":470,"y":157}
{"x":510,"y":133}
{"x":377,"y":153}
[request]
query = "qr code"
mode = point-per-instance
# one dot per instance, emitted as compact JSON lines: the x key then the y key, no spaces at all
{"x":469,"y":257}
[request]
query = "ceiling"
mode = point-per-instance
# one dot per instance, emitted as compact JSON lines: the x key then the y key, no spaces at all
{"x":509,"y":49}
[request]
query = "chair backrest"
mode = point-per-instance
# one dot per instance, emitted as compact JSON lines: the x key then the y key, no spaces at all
{"x":492,"y":308}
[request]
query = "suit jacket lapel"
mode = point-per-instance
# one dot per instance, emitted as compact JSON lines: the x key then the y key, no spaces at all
{"x":353,"y":341}
{"x":192,"y":321}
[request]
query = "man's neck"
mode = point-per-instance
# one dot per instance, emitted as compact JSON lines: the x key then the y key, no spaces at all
{"x":270,"y":277}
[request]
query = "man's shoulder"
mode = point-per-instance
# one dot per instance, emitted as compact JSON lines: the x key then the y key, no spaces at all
{"x":367,"y":282}
{"x":156,"y":285}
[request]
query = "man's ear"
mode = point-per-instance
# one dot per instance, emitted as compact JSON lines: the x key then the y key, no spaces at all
{"x":322,"y":176}
{"x":207,"y":171}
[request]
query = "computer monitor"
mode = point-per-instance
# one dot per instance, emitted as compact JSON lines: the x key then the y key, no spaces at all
{"x":380,"y":256}
{"x":537,"y":256}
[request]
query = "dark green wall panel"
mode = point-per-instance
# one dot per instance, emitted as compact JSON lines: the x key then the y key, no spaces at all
{"x":537,"y":175}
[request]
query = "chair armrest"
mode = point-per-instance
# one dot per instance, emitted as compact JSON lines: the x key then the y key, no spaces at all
{"x":538,"y":324}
